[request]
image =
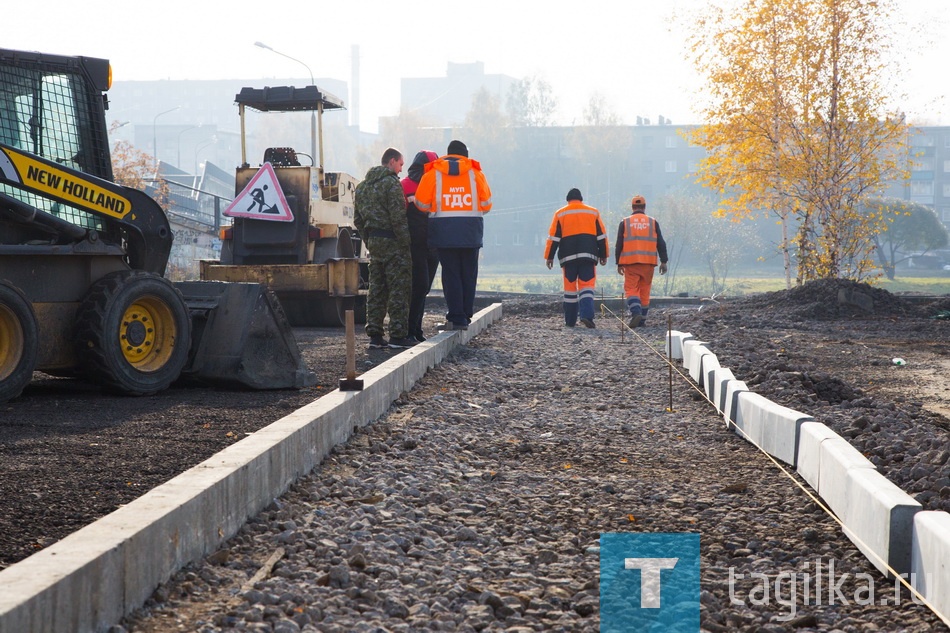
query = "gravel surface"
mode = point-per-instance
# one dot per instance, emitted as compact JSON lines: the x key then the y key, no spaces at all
{"x":70,"y":454}
{"x":476,"y":502}
{"x":806,"y":350}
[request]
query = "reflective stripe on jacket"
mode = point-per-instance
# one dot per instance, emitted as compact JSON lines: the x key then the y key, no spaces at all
{"x":576,"y":232}
{"x":638,"y":242}
{"x":455,"y":193}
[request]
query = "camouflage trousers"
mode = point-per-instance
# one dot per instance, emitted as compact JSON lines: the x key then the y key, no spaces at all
{"x":390,"y":286}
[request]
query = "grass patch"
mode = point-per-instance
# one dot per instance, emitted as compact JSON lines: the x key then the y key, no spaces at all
{"x":918,"y":285}
{"x":537,"y":279}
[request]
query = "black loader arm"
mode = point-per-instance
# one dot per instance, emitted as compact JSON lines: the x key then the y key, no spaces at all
{"x":141,"y":221}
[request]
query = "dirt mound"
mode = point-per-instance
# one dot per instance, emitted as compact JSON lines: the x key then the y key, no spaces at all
{"x":934,"y":309}
{"x":829,"y":299}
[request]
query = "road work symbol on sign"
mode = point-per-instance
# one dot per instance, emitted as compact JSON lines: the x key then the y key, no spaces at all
{"x":261,"y":199}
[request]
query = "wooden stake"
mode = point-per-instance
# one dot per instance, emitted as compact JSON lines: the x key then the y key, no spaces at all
{"x":350,"y":383}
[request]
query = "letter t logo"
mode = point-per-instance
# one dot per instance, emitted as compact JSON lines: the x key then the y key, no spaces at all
{"x":649,"y":578}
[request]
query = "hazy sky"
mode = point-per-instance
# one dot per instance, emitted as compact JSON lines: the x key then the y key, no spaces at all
{"x":630,"y":51}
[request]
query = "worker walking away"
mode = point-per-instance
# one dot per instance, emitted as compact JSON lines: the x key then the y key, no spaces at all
{"x":640,"y":244}
{"x":579,"y":240}
{"x":455,"y":194}
{"x":425,"y":259}
{"x":380,"y":217}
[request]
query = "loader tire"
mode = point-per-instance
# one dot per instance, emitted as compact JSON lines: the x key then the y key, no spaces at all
{"x":19,"y":341}
{"x":133,"y":333}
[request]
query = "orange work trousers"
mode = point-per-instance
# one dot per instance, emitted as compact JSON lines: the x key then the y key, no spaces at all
{"x":637,"y":281}
{"x":580,"y":280}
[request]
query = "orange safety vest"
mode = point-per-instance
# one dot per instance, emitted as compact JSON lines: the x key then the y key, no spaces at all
{"x":455,"y":194}
{"x":639,"y":240}
{"x":454,"y":188}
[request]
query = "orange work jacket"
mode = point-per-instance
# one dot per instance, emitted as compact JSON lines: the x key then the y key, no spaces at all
{"x":576,"y":233}
{"x":455,"y":193}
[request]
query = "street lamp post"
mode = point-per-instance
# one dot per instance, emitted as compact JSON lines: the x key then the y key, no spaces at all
{"x":178,"y":164}
{"x":154,"y":135}
{"x":116,"y":125}
{"x":201,"y":146}
{"x":313,"y":114}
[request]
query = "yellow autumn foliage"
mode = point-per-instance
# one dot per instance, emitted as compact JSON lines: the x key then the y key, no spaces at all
{"x":799,"y":124}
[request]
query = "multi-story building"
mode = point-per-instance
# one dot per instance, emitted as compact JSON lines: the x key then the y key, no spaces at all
{"x":190,"y":124}
{"x":930,"y":170}
{"x":535,"y":167}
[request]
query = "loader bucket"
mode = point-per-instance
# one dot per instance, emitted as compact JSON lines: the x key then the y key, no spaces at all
{"x":241,"y":338}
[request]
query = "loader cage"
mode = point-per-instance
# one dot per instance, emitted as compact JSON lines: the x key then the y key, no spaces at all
{"x":50,"y":106}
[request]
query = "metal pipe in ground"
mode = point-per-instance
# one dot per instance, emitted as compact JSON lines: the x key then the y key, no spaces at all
{"x":669,"y":355}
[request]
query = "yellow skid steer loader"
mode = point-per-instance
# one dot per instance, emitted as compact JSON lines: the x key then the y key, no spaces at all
{"x":82,"y":259}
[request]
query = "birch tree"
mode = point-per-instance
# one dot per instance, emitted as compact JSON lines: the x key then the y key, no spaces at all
{"x":531,"y":103}
{"x":598,"y":150}
{"x":800,"y":124}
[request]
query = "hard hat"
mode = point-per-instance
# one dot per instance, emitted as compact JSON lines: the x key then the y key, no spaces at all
{"x":638,"y":201}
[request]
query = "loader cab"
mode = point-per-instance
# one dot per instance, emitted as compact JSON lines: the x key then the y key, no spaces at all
{"x":53,"y":107}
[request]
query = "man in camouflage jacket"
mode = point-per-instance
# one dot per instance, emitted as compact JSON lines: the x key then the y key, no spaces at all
{"x":380,"y":217}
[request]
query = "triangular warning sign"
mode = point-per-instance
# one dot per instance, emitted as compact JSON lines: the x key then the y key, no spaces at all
{"x":261,"y":199}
